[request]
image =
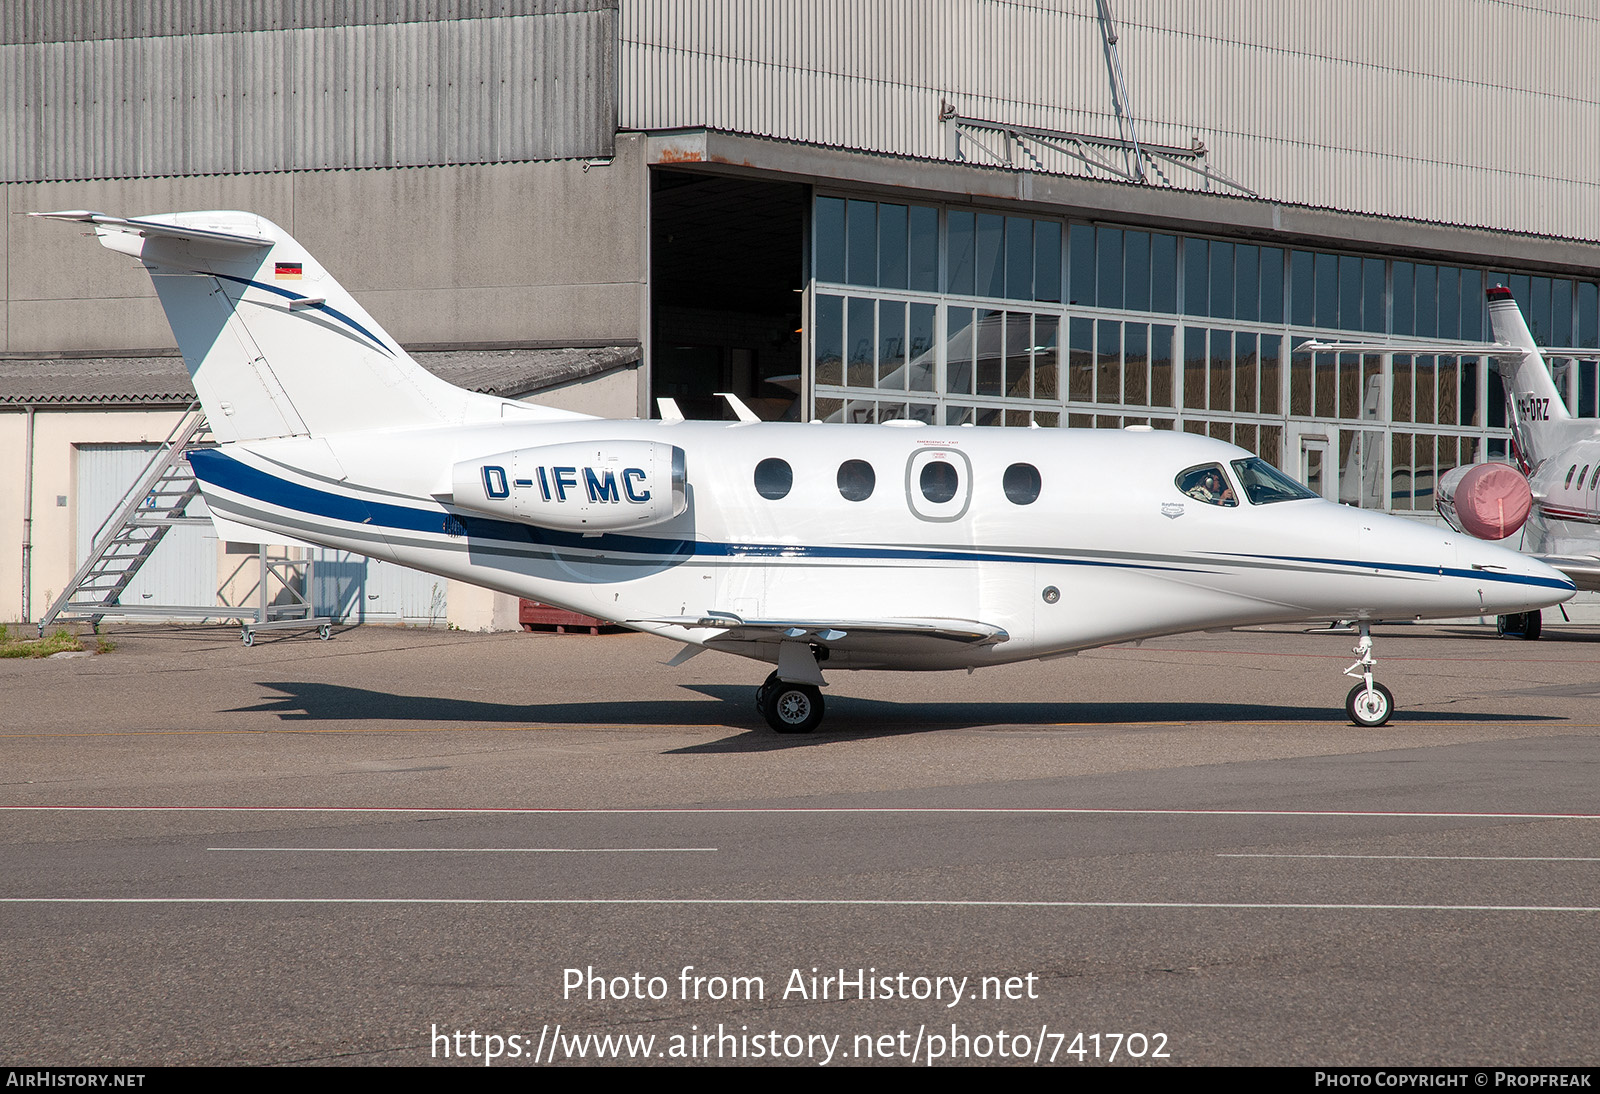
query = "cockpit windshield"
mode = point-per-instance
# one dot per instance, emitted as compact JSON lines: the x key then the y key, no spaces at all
{"x":1207,"y":483}
{"x":1264,"y":484}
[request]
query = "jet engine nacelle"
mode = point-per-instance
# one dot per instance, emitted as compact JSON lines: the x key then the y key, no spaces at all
{"x":1485,"y":500}
{"x":585,"y":486}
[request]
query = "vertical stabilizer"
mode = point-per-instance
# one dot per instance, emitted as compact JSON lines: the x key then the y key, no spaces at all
{"x":274,"y":345}
{"x":1532,"y":399}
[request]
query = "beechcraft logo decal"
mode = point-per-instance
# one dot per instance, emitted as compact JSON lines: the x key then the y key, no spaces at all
{"x":286,"y":271}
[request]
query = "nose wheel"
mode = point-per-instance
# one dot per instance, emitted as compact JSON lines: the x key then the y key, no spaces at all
{"x":789,"y":708}
{"x":1369,"y":703}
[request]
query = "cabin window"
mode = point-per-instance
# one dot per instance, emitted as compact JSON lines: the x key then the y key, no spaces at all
{"x":856,"y":480}
{"x":1264,"y":484}
{"x":1581,"y":474}
{"x":1207,"y":483}
{"x":1021,"y":483}
{"x":1571,"y":471}
{"x":939,"y":482}
{"x":774,"y":479}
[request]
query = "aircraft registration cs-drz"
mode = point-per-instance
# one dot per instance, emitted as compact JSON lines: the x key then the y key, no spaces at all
{"x":810,"y":547}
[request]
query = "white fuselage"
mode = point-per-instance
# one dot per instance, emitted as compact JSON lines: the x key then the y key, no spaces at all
{"x":1110,"y":549}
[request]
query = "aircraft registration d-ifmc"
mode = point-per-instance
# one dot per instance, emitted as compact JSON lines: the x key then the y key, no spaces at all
{"x":811,"y":547}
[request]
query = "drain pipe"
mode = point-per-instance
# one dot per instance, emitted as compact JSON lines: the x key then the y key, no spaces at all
{"x":27,"y":519}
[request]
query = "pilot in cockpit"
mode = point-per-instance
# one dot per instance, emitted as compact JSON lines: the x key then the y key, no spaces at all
{"x":1207,"y":484}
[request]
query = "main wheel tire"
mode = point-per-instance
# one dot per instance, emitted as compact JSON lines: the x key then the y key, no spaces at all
{"x":764,"y":694}
{"x":1533,"y":624}
{"x":793,"y":708}
{"x":1369,"y":709}
{"x":1507,"y":624}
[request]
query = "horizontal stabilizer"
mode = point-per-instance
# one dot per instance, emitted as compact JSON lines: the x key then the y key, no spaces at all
{"x":159,"y":228}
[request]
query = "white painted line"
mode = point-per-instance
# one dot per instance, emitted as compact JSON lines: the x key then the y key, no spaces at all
{"x":820,"y":902}
{"x":477,"y":850}
{"x":820,"y":810}
{"x":1429,"y":858}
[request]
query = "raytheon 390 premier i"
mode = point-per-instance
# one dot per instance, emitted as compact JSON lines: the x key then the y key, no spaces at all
{"x":807,"y":546}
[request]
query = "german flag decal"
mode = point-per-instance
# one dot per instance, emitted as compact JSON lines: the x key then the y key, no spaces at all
{"x":286,"y":271}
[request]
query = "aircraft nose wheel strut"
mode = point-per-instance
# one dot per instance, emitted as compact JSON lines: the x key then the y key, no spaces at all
{"x":789,"y":708}
{"x":1369,"y":703}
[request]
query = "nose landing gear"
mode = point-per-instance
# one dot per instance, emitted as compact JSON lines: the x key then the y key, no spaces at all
{"x":1369,"y":704}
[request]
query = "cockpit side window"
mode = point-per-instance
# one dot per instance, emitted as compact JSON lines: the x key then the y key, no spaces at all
{"x":1264,"y":484}
{"x":1207,"y":483}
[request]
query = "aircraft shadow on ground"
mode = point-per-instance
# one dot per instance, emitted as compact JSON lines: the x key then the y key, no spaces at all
{"x":849,"y":717}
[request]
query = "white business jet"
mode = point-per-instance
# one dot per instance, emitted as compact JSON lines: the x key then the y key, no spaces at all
{"x":1552,"y":495}
{"x":807,"y":546}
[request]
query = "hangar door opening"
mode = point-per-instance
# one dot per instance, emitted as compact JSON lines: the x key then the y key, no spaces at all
{"x":726,"y":269}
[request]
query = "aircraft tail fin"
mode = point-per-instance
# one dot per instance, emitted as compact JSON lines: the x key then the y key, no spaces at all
{"x":274,"y":345}
{"x":1533,"y":400}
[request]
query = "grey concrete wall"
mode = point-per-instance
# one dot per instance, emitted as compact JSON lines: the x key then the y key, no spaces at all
{"x":529,"y":252}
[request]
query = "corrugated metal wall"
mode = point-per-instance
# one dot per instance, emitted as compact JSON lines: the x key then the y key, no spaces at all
{"x":259,"y":86}
{"x":1479,"y":112}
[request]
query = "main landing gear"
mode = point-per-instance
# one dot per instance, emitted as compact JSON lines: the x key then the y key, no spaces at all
{"x":1521,"y":625}
{"x":1369,"y":703}
{"x":789,"y":708}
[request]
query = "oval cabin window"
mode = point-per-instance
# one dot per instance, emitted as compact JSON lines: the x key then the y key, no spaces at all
{"x":1021,"y":483}
{"x":774,"y":479}
{"x":856,"y":480}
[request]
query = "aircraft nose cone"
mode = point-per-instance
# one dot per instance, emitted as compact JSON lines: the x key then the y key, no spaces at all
{"x":1513,"y":582}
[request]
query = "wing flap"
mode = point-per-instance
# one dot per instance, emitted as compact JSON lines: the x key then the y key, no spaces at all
{"x":835,"y":631}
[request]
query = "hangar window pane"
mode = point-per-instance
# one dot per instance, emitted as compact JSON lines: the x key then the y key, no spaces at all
{"x":828,"y":340}
{"x":1246,"y":282}
{"x":961,"y":235}
{"x":1047,"y":261}
{"x":856,"y":480}
{"x":923,"y":232}
{"x":1405,"y":299}
{"x":1108,"y":380}
{"x":1349,"y":292}
{"x":1372,"y":311}
{"x":861,"y":243}
{"x":892,"y":246}
{"x":859,"y":336}
{"x":1271,"y":285}
{"x":830,"y":239}
{"x":989,"y":265}
{"x":1450,"y":302}
{"x":1194,"y":369}
{"x":1108,"y":247}
{"x":1221,"y":279}
{"x":1046,"y":365}
{"x":1327,"y":290}
{"x":1019,"y":356}
{"x":1196,"y":268}
{"x":1021,"y":483}
{"x":923,"y":365}
{"x":1244,"y":373}
{"x":1473,"y":311}
{"x":1271,"y":374}
{"x":1588,"y":314}
{"x":1019,"y":258}
{"x":1221,"y":370}
{"x":1080,"y":261}
{"x":939,"y":481}
{"x":1160,"y":366}
{"x":989,"y":335}
{"x":1164,"y":273}
{"x":1080,"y":361}
{"x":892,"y":345}
{"x":774,"y":479}
{"x":1135,"y":377}
{"x":1427,"y":294}
{"x":1136,"y":271}
{"x":1302,"y":289}
{"x":959,"y":338}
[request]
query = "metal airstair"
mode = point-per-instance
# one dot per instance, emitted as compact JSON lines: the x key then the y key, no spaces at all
{"x":157,"y":502}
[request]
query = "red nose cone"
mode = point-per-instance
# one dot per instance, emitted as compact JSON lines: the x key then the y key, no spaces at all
{"x":1492,"y":500}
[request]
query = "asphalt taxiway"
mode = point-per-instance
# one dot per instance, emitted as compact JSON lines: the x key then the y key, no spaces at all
{"x":1177,"y":853}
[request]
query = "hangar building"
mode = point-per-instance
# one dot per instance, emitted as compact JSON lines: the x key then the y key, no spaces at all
{"x":1003,"y":212}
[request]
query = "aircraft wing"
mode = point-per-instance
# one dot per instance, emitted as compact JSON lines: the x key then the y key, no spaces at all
{"x":842,"y":633}
{"x":1584,"y":570}
{"x":1422,"y":349}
